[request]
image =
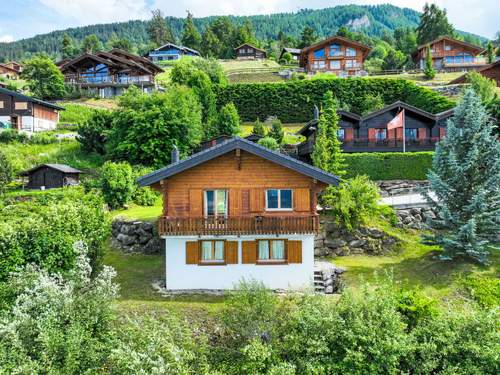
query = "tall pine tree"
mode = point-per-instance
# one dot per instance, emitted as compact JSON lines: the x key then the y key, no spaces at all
{"x":191,"y":37}
{"x":327,"y":153}
{"x":433,"y":24}
{"x":159,"y":31}
{"x":465,"y":182}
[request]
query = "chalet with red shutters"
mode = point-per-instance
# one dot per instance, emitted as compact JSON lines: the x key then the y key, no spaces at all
{"x":450,"y":55}
{"x":238,"y":211}
{"x":249,"y":52}
{"x":339,"y":55}
{"x":372,"y":133}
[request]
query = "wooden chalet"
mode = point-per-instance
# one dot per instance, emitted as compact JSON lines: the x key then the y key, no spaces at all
{"x":295,"y":52}
{"x":339,"y":55}
{"x":10,"y":70}
{"x":171,"y":52}
{"x":25,"y":113}
{"x":491,"y":71}
{"x":236,"y":211}
{"x":248,"y":52}
{"x":450,"y":55}
{"x":110,"y":73}
{"x":224,"y":138}
{"x":50,"y":176}
{"x":369,"y":133}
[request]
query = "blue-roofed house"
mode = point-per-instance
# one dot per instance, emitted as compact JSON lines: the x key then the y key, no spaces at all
{"x":170,"y":52}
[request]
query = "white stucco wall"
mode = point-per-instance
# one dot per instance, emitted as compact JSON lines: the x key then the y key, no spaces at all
{"x":180,"y":275}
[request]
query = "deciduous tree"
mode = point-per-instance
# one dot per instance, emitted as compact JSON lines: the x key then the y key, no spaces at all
{"x":44,"y":78}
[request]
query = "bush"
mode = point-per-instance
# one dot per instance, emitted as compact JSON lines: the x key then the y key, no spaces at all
{"x":6,"y":172}
{"x":228,"y":122}
{"x":76,"y":114}
{"x":483,"y":86}
{"x":389,"y":165}
{"x":277,"y":131}
{"x":11,"y":135}
{"x":294,"y":101}
{"x":117,"y":183}
{"x":144,"y":196}
{"x":483,"y":289}
{"x":269,"y":143}
{"x":354,"y":202}
{"x":44,"y":230}
{"x":92,"y":133}
{"x":42,"y":139}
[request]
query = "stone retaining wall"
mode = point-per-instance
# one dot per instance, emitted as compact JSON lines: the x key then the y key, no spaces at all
{"x":415,"y":218}
{"x":136,"y":237}
{"x":400,"y":187}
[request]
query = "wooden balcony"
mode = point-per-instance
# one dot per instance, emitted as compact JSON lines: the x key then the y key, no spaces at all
{"x":239,"y":225}
{"x":105,"y":80}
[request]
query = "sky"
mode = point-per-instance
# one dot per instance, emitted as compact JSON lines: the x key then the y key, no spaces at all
{"x":25,"y":18}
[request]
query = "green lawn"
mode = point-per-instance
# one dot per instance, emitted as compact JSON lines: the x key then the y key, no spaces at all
{"x":231,"y":65}
{"x":254,"y":78}
{"x":440,"y":78}
{"x":146,"y":213}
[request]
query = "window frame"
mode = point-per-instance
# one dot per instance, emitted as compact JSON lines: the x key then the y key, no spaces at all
{"x":347,"y":54}
{"x":211,"y":262}
{"x":279,"y":208}
{"x":341,"y":131}
{"x":337,"y":63}
{"x":350,"y":64}
{"x":205,"y":203}
{"x":380,"y":131}
{"x":335,"y":50}
{"x":411,"y":130}
{"x":271,"y":261}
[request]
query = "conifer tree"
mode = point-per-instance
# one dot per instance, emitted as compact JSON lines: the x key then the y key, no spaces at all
{"x":465,"y":182}
{"x":191,"y":37}
{"x":229,"y":120}
{"x":277,"y":131}
{"x":68,"y":49}
{"x":429,"y":71}
{"x":159,"y":31}
{"x":327,"y":153}
{"x":433,"y":24}
{"x":490,"y":52}
{"x":259,"y":128}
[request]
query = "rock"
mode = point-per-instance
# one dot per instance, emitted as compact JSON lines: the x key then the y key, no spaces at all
{"x":415,"y":211}
{"x":357,"y":243}
{"x":375,"y":233}
{"x":148,"y":226}
{"x":407,"y":220}
{"x":125,"y":239}
{"x":318,"y":242}
{"x":429,"y":214}
{"x":403,"y":213}
{"x":334,"y":242}
{"x":417,"y":217}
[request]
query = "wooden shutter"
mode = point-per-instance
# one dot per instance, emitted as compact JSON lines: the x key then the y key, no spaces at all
{"x":256,"y":200}
{"x":422,"y":133}
{"x":231,"y":248}
{"x":294,"y":251}
{"x":371,"y":135}
{"x":349,"y":134}
{"x":195,"y":202}
{"x":245,"y":202}
{"x":442,"y":133}
{"x":192,"y":252}
{"x":249,"y":252}
{"x":301,"y":200}
{"x":399,"y":133}
{"x":235,"y":202}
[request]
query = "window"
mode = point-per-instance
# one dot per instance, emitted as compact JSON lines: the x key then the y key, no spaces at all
{"x":350,"y":52}
{"x":448,"y":47}
{"x":318,"y":64}
{"x":215,"y":202}
{"x":212,"y":251}
{"x":335,"y":50}
{"x":319,"y":53}
{"x":1,"y":104}
{"x":350,"y":63}
{"x":410,"y":133}
{"x":279,"y":199}
{"x":335,"y":64}
{"x":341,"y":134}
{"x":380,"y":134}
{"x":271,"y":250}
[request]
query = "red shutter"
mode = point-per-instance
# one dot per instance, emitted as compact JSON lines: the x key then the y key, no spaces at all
{"x":349,"y":134}
{"x":442,"y":133}
{"x":371,"y":135}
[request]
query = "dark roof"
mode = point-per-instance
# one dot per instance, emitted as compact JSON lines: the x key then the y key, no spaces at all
{"x":245,"y":145}
{"x":182,"y":48}
{"x":338,"y":38}
{"x":293,"y":51}
{"x":465,"y":44}
{"x":462,"y":78}
{"x":252,"y":46}
{"x":59,"y":167}
{"x":8,"y":67}
{"x":30,"y":99}
{"x":341,"y":112}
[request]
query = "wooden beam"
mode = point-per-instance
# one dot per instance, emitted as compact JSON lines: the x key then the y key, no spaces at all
{"x":238,"y":158}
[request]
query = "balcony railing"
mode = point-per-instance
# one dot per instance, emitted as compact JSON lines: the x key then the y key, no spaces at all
{"x":237,"y":225}
{"x":106,"y":79}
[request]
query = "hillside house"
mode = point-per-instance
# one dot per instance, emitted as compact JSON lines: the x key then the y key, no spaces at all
{"x":248,"y":52}
{"x":295,"y":52}
{"x":27,"y":114}
{"x":238,"y":211}
{"x":491,"y":71}
{"x":108,"y":74}
{"x":50,"y":176}
{"x":450,"y":55}
{"x":339,"y":55}
{"x":369,"y":133}
{"x":171,"y":52}
{"x":10,"y":70}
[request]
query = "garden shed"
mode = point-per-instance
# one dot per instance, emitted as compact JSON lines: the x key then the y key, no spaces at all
{"x":50,"y":176}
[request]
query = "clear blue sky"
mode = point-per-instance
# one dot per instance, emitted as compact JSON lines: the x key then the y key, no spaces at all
{"x":25,"y":18}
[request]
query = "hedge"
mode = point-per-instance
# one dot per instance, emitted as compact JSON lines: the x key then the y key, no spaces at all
{"x":294,"y":101}
{"x":389,"y":165}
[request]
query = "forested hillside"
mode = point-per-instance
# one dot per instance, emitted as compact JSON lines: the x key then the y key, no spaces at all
{"x":372,"y":20}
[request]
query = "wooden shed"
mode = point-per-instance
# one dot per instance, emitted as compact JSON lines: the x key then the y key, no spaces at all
{"x":50,"y":176}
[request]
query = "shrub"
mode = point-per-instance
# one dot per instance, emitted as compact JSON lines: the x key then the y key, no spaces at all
{"x":483,"y":289}
{"x":228,"y":122}
{"x":117,"y":183}
{"x":483,"y":86}
{"x":259,"y":128}
{"x":277,"y":131}
{"x":92,"y":133}
{"x":6,"y":172}
{"x":294,"y":101}
{"x":44,"y":230}
{"x":42,"y":139}
{"x":57,"y":325}
{"x":415,"y":306}
{"x":354,"y":202}
{"x":11,"y":135}
{"x":143,"y":196}
{"x":76,"y":114}
{"x":269,"y":143}
{"x":389,"y":165}
{"x":429,"y":71}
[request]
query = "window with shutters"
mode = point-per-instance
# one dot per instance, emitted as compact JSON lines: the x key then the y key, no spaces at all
{"x":216,"y":203}
{"x":212,"y":251}
{"x":271,"y":251}
{"x":279,"y":200}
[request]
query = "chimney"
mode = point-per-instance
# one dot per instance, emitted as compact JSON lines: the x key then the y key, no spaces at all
{"x":175,"y":154}
{"x":316,"y":112}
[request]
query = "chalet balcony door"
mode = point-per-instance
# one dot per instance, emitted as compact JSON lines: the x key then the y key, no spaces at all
{"x":216,"y":208}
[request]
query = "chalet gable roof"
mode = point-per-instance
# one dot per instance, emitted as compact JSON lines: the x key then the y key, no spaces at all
{"x":293,"y":51}
{"x":340,"y":39}
{"x":473,"y":47}
{"x":251,"y":46}
{"x":181,"y":48}
{"x":400,"y":104}
{"x":5,"y":66}
{"x":137,"y":59}
{"x":462,"y":78}
{"x":245,"y":145}
{"x":26,"y":98}
{"x":58,"y":167}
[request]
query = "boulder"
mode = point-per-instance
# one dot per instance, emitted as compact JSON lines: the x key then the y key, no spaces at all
{"x":357,"y":243}
{"x":334,"y":242}
{"x":126,"y":239}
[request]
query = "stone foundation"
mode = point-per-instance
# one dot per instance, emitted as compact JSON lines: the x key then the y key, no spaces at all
{"x":400,"y":187}
{"x":334,"y":240}
{"x":136,"y":237}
